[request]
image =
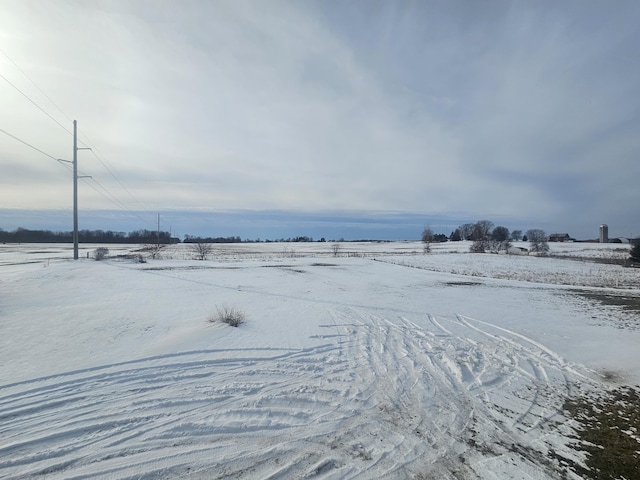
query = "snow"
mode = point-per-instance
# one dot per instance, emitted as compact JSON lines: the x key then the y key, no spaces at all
{"x":381,"y":361}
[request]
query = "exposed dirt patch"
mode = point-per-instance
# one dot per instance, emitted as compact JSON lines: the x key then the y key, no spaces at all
{"x":621,"y":309}
{"x":294,"y":270}
{"x":603,"y":260}
{"x":612,"y":377}
{"x":627,"y":302}
{"x":462,"y":284}
{"x":608,"y":430}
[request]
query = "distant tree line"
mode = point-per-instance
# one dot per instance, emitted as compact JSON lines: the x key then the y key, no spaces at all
{"x":23,"y":235}
{"x":487,"y":237}
{"x":483,"y":230}
{"x":196,"y":239}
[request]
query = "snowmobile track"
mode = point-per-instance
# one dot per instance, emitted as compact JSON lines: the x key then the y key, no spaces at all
{"x":399,"y":396}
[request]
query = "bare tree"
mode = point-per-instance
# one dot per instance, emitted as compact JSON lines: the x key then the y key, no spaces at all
{"x":335,"y":249}
{"x":202,"y":250}
{"x":516,"y":235}
{"x":153,"y":250}
{"x":466,"y":229}
{"x":482,"y":230}
{"x":500,"y":234}
{"x":485,"y":237}
{"x":480,"y":246}
{"x":427,"y":238}
{"x":500,"y":239}
{"x":538,"y":240}
{"x":427,"y":235}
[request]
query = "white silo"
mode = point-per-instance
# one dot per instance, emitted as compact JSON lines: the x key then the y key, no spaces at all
{"x":604,"y":233}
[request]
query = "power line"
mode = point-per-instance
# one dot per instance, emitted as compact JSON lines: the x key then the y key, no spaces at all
{"x":36,"y":85}
{"x":104,"y":162}
{"x":34,"y":103}
{"x":109,"y":196}
{"x":113,"y":197}
{"x":92,"y":147}
{"x":27,"y":144}
{"x":105,"y":193}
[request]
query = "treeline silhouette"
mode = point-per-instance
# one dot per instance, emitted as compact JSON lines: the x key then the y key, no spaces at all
{"x":193,"y":239}
{"x":23,"y":235}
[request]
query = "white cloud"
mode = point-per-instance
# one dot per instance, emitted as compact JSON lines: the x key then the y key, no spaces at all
{"x":504,"y":110}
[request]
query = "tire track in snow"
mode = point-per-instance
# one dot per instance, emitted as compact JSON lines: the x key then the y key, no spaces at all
{"x":460,"y":391}
{"x":546,"y":370}
{"x":70,"y":423}
{"x":383,"y":397}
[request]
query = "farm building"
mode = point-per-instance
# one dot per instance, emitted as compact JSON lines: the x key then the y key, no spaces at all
{"x":560,"y":237}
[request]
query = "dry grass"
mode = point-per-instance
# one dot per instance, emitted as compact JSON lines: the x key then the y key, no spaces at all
{"x":609,"y":432}
{"x":232,"y":316}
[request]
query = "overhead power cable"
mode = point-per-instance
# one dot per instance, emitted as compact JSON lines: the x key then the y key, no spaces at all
{"x":104,"y":191}
{"x":27,"y":144}
{"x":35,"y":85}
{"x":113,"y":197}
{"x":34,"y":103}
{"x":104,"y":163}
{"x":109,"y":196}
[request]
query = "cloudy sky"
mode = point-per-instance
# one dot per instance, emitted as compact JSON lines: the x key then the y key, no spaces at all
{"x":525,"y":113}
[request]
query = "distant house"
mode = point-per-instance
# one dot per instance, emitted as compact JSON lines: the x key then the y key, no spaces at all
{"x":560,"y":237}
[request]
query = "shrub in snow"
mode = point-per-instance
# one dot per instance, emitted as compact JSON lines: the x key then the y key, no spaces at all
{"x":202,"y":250}
{"x":479,"y":246}
{"x":230,"y":315}
{"x":635,"y":254}
{"x":101,"y":253}
{"x":153,"y":250}
{"x":538,"y":241}
{"x":288,"y":252}
{"x":427,"y":237}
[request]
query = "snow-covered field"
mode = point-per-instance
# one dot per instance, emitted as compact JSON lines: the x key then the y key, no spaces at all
{"x":378,"y":362}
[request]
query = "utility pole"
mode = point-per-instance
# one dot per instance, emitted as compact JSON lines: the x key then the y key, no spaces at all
{"x":74,"y":162}
{"x":75,"y":187}
{"x":75,"y":190}
{"x":158,"y":246}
